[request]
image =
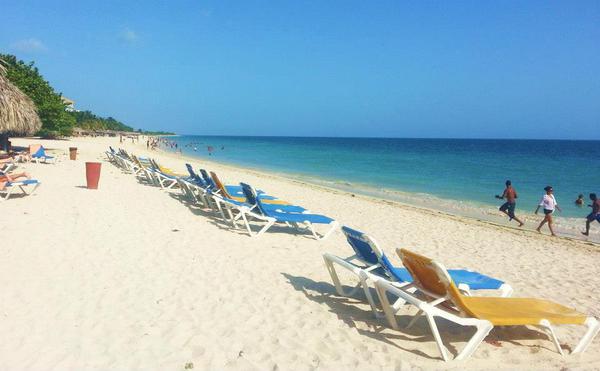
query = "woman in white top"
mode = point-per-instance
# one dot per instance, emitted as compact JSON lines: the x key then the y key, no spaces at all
{"x":548,"y":202}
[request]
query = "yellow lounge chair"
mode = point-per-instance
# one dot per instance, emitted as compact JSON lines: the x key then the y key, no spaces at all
{"x":167,"y":170}
{"x":483,"y":313}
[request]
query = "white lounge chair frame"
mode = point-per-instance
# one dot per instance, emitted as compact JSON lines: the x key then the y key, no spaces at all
{"x":307,"y":225}
{"x":9,"y":166}
{"x":8,"y":190}
{"x":431,"y":310}
{"x":364,"y":275}
{"x":227,"y":210}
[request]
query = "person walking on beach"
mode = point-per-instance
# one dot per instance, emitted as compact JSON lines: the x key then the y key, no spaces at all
{"x":508,"y":208}
{"x":594,"y":215}
{"x":548,"y":202}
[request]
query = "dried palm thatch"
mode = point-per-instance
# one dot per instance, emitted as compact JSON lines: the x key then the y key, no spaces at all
{"x":18,"y":115}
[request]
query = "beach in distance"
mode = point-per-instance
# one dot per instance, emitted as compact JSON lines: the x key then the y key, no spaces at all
{"x":130,"y":276}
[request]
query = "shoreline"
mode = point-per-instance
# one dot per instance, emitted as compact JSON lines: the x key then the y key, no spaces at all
{"x":567,"y":227}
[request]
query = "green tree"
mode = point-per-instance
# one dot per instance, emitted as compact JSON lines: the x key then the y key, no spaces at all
{"x":83,"y":117}
{"x":51,"y":110}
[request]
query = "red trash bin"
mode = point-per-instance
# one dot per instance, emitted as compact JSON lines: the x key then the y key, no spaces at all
{"x":92,"y":174}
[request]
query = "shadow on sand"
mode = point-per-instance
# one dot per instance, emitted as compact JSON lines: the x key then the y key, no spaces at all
{"x":350,"y":311}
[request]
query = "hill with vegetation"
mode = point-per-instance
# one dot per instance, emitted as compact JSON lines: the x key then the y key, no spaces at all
{"x":87,"y":120}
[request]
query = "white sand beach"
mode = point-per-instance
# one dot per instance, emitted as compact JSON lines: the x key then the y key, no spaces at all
{"x":129,"y":277}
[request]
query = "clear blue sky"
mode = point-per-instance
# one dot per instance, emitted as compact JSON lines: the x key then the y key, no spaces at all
{"x":480,"y":69}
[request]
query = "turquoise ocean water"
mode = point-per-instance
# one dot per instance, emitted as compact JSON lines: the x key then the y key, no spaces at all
{"x":458,"y":172}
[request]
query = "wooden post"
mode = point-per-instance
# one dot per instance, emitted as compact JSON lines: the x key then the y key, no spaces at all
{"x":4,"y":142}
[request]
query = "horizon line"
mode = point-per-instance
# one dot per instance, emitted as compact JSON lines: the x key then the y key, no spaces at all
{"x":379,"y":137}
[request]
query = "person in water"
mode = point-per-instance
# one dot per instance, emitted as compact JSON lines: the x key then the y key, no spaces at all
{"x":594,"y":215}
{"x":579,"y":201}
{"x":548,"y":202}
{"x":508,"y":208}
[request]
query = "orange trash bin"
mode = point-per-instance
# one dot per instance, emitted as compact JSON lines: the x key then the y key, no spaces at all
{"x":73,"y":153}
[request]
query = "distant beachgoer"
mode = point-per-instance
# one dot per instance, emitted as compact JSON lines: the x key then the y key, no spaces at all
{"x":508,"y":208}
{"x":594,"y":215}
{"x":148,"y":144}
{"x":579,"y":201}
{"x":548,"y":202}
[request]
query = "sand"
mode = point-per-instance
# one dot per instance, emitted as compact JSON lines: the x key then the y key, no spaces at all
{"x":129,"y":277}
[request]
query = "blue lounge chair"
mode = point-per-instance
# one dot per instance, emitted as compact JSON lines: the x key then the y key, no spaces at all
{"x":40,"y":154}
{"x":231,"y":189}
{"x":194,"y":176}
{"x":167,"y":179}
{"x":10,"y":186}
{"x":276,"y":208}
{"x":369,"y":263}
{"x":227,"y":204}
{"x":197,"y":186}
{"x":298,"y":220}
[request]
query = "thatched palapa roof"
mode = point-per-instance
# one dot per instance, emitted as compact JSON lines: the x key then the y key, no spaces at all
{"x":18,"y":114}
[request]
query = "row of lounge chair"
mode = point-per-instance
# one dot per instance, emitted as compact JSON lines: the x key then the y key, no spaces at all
{"x":239,"y":204}
{"x":439,"y":293}
{"x":436,"y":293}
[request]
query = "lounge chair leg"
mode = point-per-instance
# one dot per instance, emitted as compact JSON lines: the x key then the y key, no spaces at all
{"x":482,"y":331}
{"x":267,"y":226}
{"x":8,"y":192}
{"x":506,"y":290}
{"x":231,"y":219}
{"x":365,"y":286}
{"x":390,"y":315}
{"x":593,"y":329}
{"x":333,"y":224}
{"x":334,"y":277}
{"x":220,"y":210}
{"x":436,"y":335}
{"x":414,"y":319}
{"x":312,"y":230}
{"x":34,"y":188}
{"x":246,"y":223}
{"x":547,"y":326}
